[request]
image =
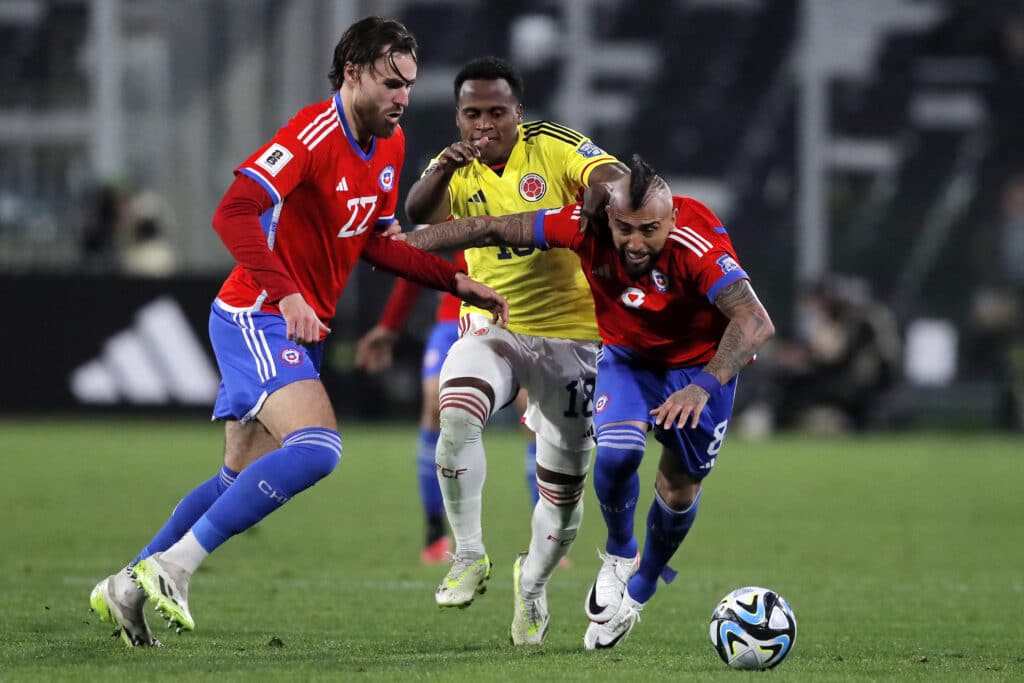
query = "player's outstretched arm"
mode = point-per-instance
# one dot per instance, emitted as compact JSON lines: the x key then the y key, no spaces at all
{"x":482,"y":296}
{"x":396,"y":257}
{"x":515,"y":230}
{"x":748,"y":329}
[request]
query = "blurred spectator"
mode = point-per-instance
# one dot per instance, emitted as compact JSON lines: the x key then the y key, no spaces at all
{"x":837,"y":375}
{"x":124,"y":232}
{"x":148,"y":252}
{"x":997,"y":315}
{"x":104,"y":216}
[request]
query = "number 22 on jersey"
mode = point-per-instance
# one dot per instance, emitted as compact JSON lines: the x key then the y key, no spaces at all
{"x":362,"y":209}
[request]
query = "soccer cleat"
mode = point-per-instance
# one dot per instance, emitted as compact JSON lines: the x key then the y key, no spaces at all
{"x":118,"y":601}
{"x":436,"y":552}
{"x":530,"y":617}
{"x":166,"y":584}
{"x":466,"y":578}
{"x":606,"y":593}
{"x":616,"y":629}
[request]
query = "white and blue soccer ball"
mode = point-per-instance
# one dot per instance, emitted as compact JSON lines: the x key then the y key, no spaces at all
{"x":753,"y":628}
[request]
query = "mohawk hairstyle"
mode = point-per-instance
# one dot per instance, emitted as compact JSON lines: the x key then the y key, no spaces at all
{"x":364,"y":42}
{"x":643,"y":180}
{"x":490,"y":69}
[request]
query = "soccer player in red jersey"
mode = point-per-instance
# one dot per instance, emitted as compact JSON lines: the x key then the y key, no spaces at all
{"x":678,"y":320}
{"x":301,"y":211}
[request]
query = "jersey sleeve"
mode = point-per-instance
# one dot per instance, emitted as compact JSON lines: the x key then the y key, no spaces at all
{"x":398,"y":258}
{"x":707,"y":251}
{"x":581,"y":159}
{"x":554,"y":228}
{"x":281,"y":164}
{"x":236,"y":220}
{"x":389,"y":207}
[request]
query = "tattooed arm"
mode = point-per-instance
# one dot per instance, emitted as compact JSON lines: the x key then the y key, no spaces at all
{"x":515,"y":230}
{"x":748,"y":329}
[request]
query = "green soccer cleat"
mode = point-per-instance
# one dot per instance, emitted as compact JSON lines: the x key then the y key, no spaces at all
{"x":466,"y":579}
{"x":118,"y":601}
{"x":166,"y":584}
{"x":530,"y":617}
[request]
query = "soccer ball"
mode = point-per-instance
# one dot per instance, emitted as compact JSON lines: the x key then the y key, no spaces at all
{"x":753,"y":628}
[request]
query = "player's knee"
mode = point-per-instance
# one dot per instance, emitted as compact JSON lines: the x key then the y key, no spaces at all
{"x":562,"y":506}
{"x":620,"y":449}
{"x":558,"y":464}
{"x":463,"y":412}
{"x":678,"y":493}
{"x":316,"y":450}
{"x":561,"y":481}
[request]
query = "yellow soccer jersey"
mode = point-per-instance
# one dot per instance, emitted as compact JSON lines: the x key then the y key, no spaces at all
{"x":549,"y":166}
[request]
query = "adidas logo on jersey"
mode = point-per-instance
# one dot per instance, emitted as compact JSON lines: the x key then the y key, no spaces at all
{"x":342,"y":185}
{"x":478,"y":197}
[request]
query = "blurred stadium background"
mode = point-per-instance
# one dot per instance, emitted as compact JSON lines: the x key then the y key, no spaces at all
{"x":876,"y":140}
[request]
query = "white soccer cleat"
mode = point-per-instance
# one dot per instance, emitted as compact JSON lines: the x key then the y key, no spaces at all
{"x":616,"y":629}
{"x":530,"y":617}
{"x":166,"y":584}
{"x":118,"y":601}
{"x":606,"y":593}
{"x":466,"y":578}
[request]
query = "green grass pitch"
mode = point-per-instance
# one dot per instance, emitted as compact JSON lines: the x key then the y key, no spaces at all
{"x":902,"y":556}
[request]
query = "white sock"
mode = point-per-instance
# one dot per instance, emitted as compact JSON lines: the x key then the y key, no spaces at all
{"x":556,"y":519}
{"x":186,"y":553}
{"x":462,"y":467}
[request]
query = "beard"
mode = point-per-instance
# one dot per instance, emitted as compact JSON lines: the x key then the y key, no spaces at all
{"x":375,"y":120}
{"x":633,"y":269}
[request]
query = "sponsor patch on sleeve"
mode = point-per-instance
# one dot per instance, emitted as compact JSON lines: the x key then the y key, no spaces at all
{"x":589,"y":150}
{"x":727,"y":264}
{"x":274,"y":159}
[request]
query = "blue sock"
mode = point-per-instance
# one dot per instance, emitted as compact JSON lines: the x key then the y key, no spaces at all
{"x":188,"y":510}
{"x":426,"y":473}
{"x":531,"y":472}
{"x":617,"y":484}
{"x":666,"y":529}
{"x":306,"y":456}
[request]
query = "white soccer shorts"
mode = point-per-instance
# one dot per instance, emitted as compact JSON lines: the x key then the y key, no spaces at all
{"x":558,"y":375}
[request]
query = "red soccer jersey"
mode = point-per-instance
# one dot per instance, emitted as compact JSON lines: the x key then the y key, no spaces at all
{"x":449,"y":306}
{"x":329,"y":196}
{"x":667,"y":315}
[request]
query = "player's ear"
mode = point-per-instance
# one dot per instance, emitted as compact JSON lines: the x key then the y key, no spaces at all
{"x":351,"y":74}
{"x":519,"y":113}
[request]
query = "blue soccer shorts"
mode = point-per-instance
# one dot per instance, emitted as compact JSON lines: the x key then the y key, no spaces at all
{"x":628,"y":388}
{"x":255,"y":359}
{"x":441,"y":338}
